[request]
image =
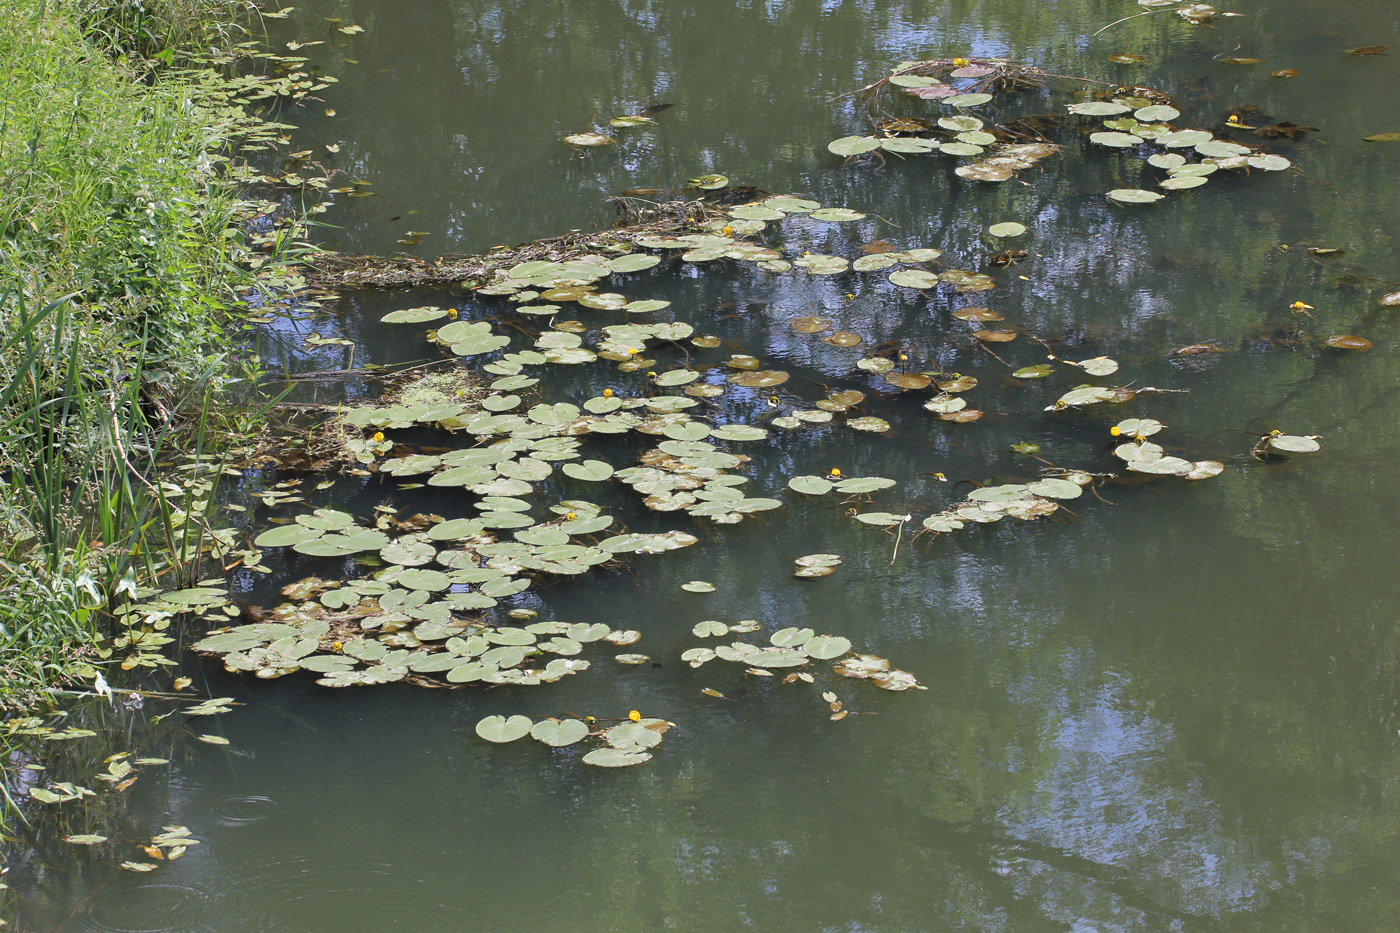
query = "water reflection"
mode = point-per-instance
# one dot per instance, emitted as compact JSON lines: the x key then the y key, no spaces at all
{"x":1174,"y":710}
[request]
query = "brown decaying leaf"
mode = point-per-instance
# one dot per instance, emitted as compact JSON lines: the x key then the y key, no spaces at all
{"x":1284,"y":130}
{"x":1366,"y":50}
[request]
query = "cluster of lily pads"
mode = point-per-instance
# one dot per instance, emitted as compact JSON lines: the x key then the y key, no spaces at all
{"x":373,"y":632}
{"x":1131,"y":120}
{"x":618,"y":746}
{"x":690,"y":475}
{"x":1144,"y":456}
{"x":796,"y":647}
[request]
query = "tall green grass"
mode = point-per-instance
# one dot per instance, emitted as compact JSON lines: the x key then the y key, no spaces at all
{"x":118,"y":258}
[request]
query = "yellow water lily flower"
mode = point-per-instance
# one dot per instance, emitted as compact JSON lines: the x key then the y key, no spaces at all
{"x":635,"y":716}
{"x":728,"y":231}
{"x":379,"y":437}
{"x":569,"y":516}
{"x":607,"y":393}
{"x":1115,"y":430}
{"x":835,"y":471}
{"x":452,"y":313}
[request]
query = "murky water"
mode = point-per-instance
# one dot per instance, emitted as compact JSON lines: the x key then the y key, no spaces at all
{"x":1175,"y":712}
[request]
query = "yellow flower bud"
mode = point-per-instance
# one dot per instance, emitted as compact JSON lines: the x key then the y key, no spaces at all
{"x":1114,"y":431}
{"x":835,"y":471}
{"x":452,"y":313}
{"x":607,"y":393}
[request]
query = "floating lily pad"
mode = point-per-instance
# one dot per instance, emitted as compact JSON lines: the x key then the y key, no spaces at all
{"x":810,"y":324}
{"x":869,"y":424}
{"x":1007,"y":229}
{"x":1134,"y":196}
{"x":414,"y":315}
{"x":501,"y":729}
{"x":908,"y":380}
{"x":558,"y":732}
{"x":759,"y":379}
{"x":810,"y":485}
{"x":615,"y":758}
{"x":1114,"y":139}
{"x":589,"y":139}
{"x":1293,"y":443}
{"x":851,"y":146}
{"x":914,"y":278}
{"x":1097,"y":108}
{"x":836,"y":215}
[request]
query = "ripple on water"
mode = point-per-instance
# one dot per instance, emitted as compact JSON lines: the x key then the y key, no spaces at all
{"x":328,"y":892}
{"x":239,"y":811}
{"x":143,"y":907}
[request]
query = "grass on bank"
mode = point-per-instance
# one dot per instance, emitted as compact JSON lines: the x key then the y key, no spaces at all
{"x":118,"y":260}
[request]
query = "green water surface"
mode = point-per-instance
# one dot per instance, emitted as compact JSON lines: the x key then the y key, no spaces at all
{"x":1173,"y":709}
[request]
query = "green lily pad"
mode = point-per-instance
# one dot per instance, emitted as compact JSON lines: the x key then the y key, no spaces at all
{"x":1293,"y":443}
{"x":848,"y":146}
{"x":615,"y":758}
{"x":1157,"y":113}
{"x":836,"y":215}
{"x":810,"y":485}
{"x":913,"y":278}
{"x":1134,"y":196}
{"x":590,"y":471}
{"x":967,"y":100}
{"x":558,"y":732}
{"x":414,"y":315}
{"x":1007,"y":229}
{"x":1097,"y":109}
{"x":500,"y":729}
{"x":286,"y":535}
{"x":826,"y":647}
{"x":1116,"y":140}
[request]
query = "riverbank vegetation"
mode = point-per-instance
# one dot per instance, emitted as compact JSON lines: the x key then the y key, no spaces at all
{"x":119,"y":260}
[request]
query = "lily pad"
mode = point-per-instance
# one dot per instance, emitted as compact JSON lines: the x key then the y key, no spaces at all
{"x":913,"y":278}
{"x":1134,"y":196}
{"x":615,"y":758}
{"x":851,"y":146}
{"x":967,"y":100}
{"x":1007,"y":229}
{"x":558,"y":732}
{"x":501,"y":729}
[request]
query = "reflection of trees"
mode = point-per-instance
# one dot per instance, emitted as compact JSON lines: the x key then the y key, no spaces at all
{"x":1175,"y":714}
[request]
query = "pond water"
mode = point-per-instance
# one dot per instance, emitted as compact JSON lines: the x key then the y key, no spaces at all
{"x":1173,"y":708}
